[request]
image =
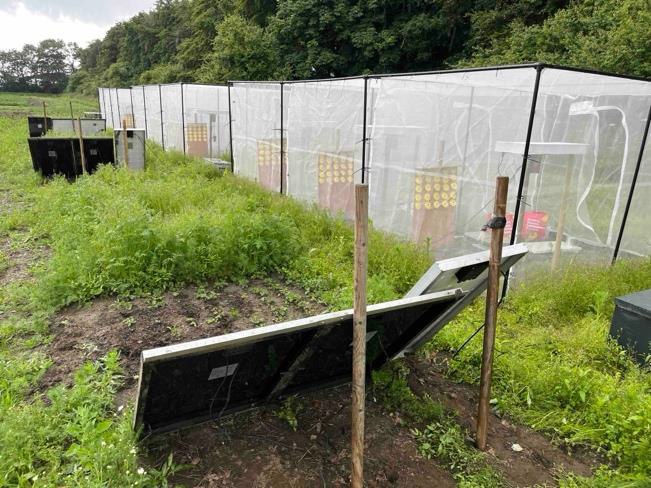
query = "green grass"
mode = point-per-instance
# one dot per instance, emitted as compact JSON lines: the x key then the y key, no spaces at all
{"x":181,"y":221}
{"x":124,"y":233}
{"x":557,"y":370}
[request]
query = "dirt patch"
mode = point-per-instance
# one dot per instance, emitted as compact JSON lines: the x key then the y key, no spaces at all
{"x":538,"y":462}
{"x":88,"y":332}
{"x":258,"y":449}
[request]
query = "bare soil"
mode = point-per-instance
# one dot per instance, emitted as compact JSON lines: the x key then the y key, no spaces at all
{"x":258,"y":448}
{"x":89,"y":331}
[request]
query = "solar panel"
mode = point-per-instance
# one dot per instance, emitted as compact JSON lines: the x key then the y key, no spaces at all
{"x":188,"y":383}
{"x":466,"y":272}
{"x":469,"y":273}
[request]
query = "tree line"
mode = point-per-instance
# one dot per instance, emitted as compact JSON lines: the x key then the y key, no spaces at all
{"x":45,"y":67}
{"x":214,"y":41}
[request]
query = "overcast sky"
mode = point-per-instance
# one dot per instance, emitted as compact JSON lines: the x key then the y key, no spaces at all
{"x":81,"y":21}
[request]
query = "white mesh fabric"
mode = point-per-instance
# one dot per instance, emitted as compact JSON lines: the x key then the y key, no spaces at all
{"x":606,"y":116}
{"x":124,"y":107}
{"x":206,"y":120}
{"x":138,"y":97}
{"x":256,"y":132}
{"x":172,"y":116}
{"x":152,"y":102}
{"x":636,"y":240}
{"x":433,"y":163}
{"x":324,"y":136}
{"x":114,"y":121}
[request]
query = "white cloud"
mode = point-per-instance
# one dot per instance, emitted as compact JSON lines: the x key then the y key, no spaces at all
{"x":21,"y":25}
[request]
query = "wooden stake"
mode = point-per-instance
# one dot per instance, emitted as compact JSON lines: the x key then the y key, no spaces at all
{"x":125,"y":143}
{"x":72,"y":117}
{"x":81,"y":146}
{"x":495,"y":259}
{"x":561,"y":218}
{"x":44,"y":119}
{"x":359,"y":334}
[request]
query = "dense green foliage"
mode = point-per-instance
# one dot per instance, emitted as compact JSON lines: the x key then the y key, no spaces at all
{"x":45,"y":67}
{"x":213,"y":41}
{"x":610,"y":35}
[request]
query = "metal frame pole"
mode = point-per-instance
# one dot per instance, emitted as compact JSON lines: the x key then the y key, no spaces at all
{"x":230,"y":128}
{"x":633,"y":183}
{"x":111,"y":104}
{"x":525,"y":155}
{"x":144,"y":106}
{"x":364,"y":130}
{"x":160,"y":104}
{"x":282,"y":134}
{"x":117,"y":99}
{"x":523,"y":169}
{"x":103,"y":104}
{"x":183,"y":116}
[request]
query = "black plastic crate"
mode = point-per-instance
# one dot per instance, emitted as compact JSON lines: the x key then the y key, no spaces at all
{"x":631,"y":324}
{"x":51,"y":156}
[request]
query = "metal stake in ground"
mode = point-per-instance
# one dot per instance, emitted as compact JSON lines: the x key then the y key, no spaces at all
{"x":496,"y":226}
{"x":359,"y":334}
{"x":81,"y":145}
{"x":125,"y":143}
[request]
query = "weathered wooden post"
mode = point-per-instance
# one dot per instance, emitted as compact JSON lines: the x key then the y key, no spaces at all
{"x":496,"y":226}
{"x":81,"y":146}
{"x":44,"y":118}
{"x":359,"y":334}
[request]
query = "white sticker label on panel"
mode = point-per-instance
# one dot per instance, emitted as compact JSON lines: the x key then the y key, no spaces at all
{"x":52,"y":154}
{"x":222,"y":371}
{"x":93,"y":152}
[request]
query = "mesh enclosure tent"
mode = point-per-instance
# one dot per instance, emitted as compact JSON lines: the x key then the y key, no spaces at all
{"x":172,"y":103}
{"x":636,"y":238}
{"x":153,"y":111}
{"x":125,"y":108}
{"x":206,"y":120}
{"x":583,"y":194}
{"x":432,"y":162}
{"x":256,"y":132}
{"x":139,"y":111}
{"x":569,"y":140}
{"x":324,"y":142}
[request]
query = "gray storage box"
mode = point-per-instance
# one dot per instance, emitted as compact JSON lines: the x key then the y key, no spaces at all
{"x":631,"y":324}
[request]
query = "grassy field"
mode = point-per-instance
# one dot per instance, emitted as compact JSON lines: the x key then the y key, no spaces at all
{"x":180,"y":222}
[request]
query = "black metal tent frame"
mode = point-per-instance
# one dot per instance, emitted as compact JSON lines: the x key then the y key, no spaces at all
{"x":539,"y":67}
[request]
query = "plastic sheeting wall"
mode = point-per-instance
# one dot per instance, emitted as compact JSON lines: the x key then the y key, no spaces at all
{"x":433,"y":161}
{"x":206,"y":120}
{"x":256,"y":132}
{"x":153,"y":105}
{"x":172,"y":116}
{"x":138,"y":98}
{"x":324,"y":142}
